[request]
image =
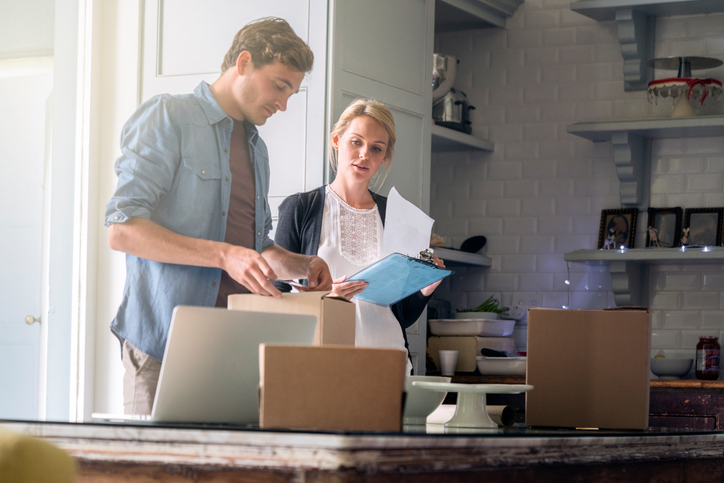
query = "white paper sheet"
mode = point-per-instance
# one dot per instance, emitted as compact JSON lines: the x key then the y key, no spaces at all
{"x":407,"y":228}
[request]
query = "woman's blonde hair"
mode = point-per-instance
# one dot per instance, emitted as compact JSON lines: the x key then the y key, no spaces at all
{"x":270,"y":39}
{"x":377,"y":111}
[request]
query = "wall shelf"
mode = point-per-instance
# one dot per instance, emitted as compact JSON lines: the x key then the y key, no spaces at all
{"x":603,"y":10}
{"x":636,"y":20}
{"x":631,"y":140}
{"x":447,"y":140}
{"x":453,"y":15}
{"x":458,"y":258}
{"x":629,"y":267}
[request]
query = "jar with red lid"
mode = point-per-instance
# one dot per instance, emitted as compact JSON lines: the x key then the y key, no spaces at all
{"x":707,"y":358}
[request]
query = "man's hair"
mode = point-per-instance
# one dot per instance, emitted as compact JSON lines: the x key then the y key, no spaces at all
{"x":268,"y":40}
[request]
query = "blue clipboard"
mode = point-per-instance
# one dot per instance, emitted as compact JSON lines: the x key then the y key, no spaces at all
{"x":395,"y":277}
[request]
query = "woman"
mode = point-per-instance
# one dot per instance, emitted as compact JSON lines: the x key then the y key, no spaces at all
{"x":343,"y":222}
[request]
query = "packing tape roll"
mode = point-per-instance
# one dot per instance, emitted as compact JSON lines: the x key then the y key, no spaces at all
{"x":502,"y":415}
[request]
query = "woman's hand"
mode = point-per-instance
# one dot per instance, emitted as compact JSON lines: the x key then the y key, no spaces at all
{"x":340,"y":288}
{"x":427,"y":291}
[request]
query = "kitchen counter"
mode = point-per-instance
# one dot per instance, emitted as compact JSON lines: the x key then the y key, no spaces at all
{"x":183,"y":453}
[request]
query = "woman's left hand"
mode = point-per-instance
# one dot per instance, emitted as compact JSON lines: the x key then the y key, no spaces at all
{"x":427,"y":291}
{"x":340,"y":288}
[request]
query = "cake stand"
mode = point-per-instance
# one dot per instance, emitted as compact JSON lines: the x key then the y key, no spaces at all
{"x":683,"y":87}
{"x":471,"y":410}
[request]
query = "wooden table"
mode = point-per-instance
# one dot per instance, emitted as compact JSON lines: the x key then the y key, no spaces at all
{"x":116,"y":453}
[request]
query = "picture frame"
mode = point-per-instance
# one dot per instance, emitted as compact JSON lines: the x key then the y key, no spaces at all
{"x":618,"y":228}
{"x":705,"y":226}
{"x":666,"y":224}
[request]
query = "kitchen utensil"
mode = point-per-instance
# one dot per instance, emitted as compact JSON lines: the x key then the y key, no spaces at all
{"x":473,"y":244}
{"x":501,"y":366}
{"x":453,"y":111}
{"x":448,"y":361}
{"x":419,"y":402}
{"x":477,"y":316}
{"x":670,"y":368}
{"x":480,"y":327}
{"x":443,"y":74}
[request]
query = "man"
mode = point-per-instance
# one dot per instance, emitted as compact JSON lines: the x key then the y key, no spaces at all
{"x":191,"y":209}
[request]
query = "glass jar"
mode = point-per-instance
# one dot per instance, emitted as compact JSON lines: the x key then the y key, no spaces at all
{"x":707,"y":358}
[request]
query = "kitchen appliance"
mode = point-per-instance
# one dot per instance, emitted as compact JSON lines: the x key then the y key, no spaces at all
{"x":453,"y":111}
{"x":443,"y":75}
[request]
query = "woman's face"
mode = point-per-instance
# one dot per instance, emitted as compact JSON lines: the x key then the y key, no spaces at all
{"x":361,"y":149}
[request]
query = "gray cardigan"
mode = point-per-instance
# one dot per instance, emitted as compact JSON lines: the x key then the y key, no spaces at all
{"x":299,"y":228}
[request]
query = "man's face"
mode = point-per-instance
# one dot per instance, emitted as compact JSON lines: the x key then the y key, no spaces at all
{"x":264,"y":91}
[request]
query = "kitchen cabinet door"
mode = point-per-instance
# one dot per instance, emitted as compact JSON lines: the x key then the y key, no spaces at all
{"x":382,"y":49}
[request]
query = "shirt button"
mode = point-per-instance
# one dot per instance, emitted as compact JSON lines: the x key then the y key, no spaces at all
{"x":213,"y":284}
{"x":226,"y":150}
{"x":258,"y":233}
{"x":117,"y":217}
{"x":257,"y":197}
{"x":203,"y":171}
{"x":227,"y":178}
{"x":223,"y":213}
{"x":228,"y":121}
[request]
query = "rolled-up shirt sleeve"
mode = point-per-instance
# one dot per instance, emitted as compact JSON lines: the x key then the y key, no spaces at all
{"x":150,"y":155}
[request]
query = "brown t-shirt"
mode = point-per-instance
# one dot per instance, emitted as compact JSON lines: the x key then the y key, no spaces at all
{"x":240,"y":218}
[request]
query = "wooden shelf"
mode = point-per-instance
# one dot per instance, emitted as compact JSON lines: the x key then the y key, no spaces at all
{"x":456,"y":257}
{"x":629,"y":267}
{"x":631,"y":139}
{"x":448,"y":140}
{"x":649,"y":255}
{"x":454,"y":15}
{"x":655,"y":128}
{"x":636,"y":22}
{"x":603,"y":10}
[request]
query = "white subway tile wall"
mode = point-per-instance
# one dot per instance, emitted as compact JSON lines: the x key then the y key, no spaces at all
{"x":540,"y":194}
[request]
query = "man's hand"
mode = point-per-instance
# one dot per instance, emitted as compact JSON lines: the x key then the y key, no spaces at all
{"x":318,"y":275}
{"x":288,"y":265}
{"x":250,"y":269}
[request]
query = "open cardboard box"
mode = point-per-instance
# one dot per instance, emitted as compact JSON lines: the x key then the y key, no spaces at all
{"x":589,"y":368}
{"x":331,"y":388}
{"x":335,"y":316}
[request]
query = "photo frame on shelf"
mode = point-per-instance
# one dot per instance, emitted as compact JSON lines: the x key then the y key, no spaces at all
{"x":664,"y":227}
{"x":705,"y":226}
{"x":618,"y":228}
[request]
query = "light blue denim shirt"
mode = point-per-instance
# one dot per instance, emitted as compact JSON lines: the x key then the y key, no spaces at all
{"x":174,"y":171}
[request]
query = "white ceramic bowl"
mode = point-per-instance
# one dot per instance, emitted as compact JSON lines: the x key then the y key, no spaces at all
{"x":670,"y":368}
{"x":420,"y":403}
{"x":479,"y":327}
{"x":501,"y":366}
{"x":477,"y":315}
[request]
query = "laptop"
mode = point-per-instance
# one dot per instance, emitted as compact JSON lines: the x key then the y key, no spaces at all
{"x":210,"y":369}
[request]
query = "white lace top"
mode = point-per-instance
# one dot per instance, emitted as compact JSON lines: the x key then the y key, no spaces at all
{"x":351,"y":239}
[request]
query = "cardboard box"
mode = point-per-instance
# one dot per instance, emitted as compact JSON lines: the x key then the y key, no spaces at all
{"x":331,"y":388}
{"x":336,"y":316}
{"x":468,"y":347}
{"x":589,"y":368}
